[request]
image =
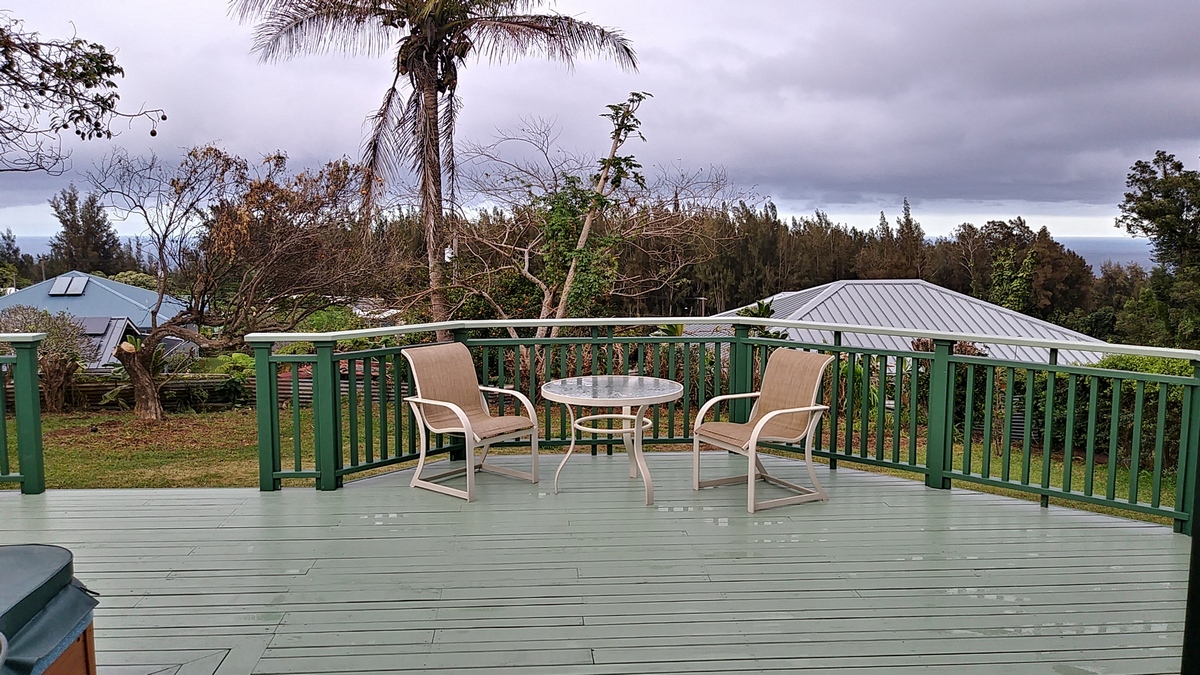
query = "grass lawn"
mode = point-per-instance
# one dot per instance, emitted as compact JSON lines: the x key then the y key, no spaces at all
{"x":113,"y":450}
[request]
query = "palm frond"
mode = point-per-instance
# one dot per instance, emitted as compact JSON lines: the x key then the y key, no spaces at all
{"x":384,"y":151}
{"x":292,"y":27}
{"x":451,"y":104}
{"x":474,"y":7}
{"x":556,"y":36}
{"x":408,"y":130}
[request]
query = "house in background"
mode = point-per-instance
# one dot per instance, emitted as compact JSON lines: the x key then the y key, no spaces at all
{"x":107,"y":333}
{"x":918,"y":305}
{"x":109,"y":310}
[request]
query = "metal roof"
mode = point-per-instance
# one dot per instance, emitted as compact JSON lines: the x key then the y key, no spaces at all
{"x":918,"y":305}
{"x":106,"y":333}
{"x":99,"y":297}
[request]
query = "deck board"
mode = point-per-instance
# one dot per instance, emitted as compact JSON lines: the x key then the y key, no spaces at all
{"x":887,"y":576}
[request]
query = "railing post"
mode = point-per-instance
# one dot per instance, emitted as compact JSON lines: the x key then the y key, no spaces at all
{"x":741,"y":374}
{"x":1049,"y":418}
{"x":266,"y":404}
{"x":1191,"y":450}
{"x":458,"y":454}
{"x":1191,"y":622}
{"x":326,"y":394}
{"x":27,"y":405}
{"x":834,"y":386}
{"x":937,"y":446}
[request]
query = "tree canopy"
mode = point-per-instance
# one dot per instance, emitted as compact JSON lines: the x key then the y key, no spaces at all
{"x":1163,"y":204}
{"x":50,"y":86}
{"x":87,"y":241}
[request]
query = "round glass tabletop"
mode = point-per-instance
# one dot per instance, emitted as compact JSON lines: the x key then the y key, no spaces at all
{"x":612,"y":390}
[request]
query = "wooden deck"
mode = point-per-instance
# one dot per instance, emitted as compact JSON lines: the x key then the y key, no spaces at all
{"x":889,"y":576}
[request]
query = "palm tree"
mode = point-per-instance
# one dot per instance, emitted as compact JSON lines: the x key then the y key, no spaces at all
{"x":429,"y":40}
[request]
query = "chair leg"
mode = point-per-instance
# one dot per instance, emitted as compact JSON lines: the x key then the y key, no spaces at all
{"x":470,"y":457}
{"x":420,"y":457}
{"x":812,"y":472}
{"x":531,"y":476}
{"x":428,"y":484}
{"x":755,"y":470}
{"x":751,"y":478}
{"x":697,"y":483}
{"x":803,"y":494}
{"x":533,"y":450}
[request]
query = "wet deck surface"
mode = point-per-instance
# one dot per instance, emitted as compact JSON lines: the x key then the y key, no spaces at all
{"x":889,"y":576}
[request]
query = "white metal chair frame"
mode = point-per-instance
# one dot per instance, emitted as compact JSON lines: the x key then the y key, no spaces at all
{"x":755,"y":469}
{"x":472,"y":441}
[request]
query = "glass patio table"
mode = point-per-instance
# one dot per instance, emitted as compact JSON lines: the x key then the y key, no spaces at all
{"x":610,"y":392}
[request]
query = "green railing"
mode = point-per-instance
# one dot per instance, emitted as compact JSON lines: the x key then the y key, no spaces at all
{"x":26,"y":466}
{"x":1120,"y":439}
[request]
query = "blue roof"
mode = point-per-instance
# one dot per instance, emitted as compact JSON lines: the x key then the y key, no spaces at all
{"x":100,"y":297}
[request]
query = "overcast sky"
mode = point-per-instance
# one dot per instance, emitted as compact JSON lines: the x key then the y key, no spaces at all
{"x":972,"y":110}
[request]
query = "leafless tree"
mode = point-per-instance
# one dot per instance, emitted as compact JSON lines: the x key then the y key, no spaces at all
{"x":246,"y":248}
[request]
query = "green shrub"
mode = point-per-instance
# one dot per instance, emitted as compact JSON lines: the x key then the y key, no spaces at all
{"x":237,"y":365}
{"x":1126,"y":413}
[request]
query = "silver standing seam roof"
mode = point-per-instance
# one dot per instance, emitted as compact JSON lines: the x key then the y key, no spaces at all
{"x":916,"y":305}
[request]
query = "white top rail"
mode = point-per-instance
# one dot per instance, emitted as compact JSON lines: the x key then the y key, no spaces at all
{"x":1063,"y":345}
{"x":22,"y":337}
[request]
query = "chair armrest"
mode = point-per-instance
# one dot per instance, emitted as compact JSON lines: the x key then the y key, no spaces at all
{"x":458,"y":412}
{"x":715,"y":400}
{"x":818,"y":409}
{"x":525,"y":402}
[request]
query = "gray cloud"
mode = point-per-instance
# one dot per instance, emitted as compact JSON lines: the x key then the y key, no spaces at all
{"x":811,"y":102}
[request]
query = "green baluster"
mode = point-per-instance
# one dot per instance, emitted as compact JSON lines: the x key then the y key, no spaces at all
{"x":1048,"y":427}
{"x":940,"y":372}
{"x":1191,"y":626}
{"x":325,"y":408}
{"x":741,"y":376}
{"x":459,"y":454}
{"x":267,"y":408}
{"x":28,"y":407}
{"x":1189,"y":456}
{"x":834,"y":391}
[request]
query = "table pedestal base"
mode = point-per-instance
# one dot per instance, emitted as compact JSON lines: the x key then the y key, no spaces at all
{"x":631,"y":436}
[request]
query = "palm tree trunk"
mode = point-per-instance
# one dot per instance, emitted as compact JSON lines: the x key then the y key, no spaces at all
{"x":431,"y":197}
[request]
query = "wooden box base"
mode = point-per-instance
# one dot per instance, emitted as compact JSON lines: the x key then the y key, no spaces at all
{"x":79,"y":659}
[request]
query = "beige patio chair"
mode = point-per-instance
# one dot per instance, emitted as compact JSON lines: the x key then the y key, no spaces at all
{"x":785,"y":412}
{"x":450,"y":400}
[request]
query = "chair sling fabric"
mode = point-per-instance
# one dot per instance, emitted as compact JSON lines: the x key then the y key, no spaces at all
{"x":786,"y":411}
{"x":450,"y":400}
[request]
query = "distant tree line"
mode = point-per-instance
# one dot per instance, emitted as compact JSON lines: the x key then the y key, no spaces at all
{"x":85,"y":242}
{"x":658,"y":249}
{"x":1004,"y":262}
